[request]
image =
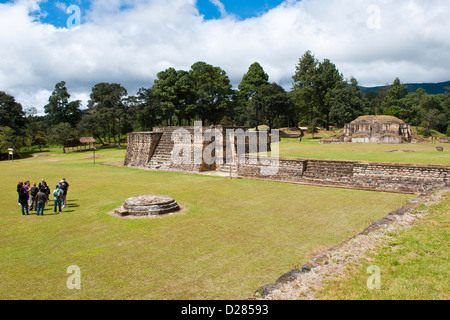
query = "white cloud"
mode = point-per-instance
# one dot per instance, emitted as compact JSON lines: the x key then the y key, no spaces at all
{"x":62,"y":6}
{"x":220,"y":6}
{"x":131,"y":46}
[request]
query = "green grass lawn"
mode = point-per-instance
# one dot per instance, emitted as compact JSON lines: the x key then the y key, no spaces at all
{"x":416,"y":153}
{"x":233,"y":237}
{"x":414,"y":265}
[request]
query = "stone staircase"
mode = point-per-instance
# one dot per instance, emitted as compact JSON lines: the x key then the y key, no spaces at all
{"x":226,"y":167}
{"x":161,"y":158}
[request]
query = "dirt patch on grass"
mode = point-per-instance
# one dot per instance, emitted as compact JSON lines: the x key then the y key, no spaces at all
{"x":92,"y":157}
{"x":41,"y":155}
{"x":113,"y":164}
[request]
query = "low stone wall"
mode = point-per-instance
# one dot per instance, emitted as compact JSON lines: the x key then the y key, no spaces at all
{"x":401,"y":178}
{"x":290,"y":170}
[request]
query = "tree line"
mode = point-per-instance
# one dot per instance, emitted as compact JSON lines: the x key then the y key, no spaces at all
{"x":320,"y":96}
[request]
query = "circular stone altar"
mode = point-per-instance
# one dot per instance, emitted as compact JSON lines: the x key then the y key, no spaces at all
{"x":147,"y":206}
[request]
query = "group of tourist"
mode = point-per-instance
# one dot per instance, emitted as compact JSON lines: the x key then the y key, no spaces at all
{"x":37,"y":197}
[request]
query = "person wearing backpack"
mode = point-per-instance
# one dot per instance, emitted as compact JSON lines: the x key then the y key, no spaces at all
{"x":57,"y":195}
{"x":33,"y":193}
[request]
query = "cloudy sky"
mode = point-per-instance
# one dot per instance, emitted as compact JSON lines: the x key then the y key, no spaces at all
{"x":86,"y":42}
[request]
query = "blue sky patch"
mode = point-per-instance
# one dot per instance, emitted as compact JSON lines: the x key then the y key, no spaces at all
{"x":54,"y":12}
{"x":241,"y":9}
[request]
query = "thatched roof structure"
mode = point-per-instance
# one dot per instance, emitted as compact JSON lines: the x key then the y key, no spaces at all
{"x":87,"y":140}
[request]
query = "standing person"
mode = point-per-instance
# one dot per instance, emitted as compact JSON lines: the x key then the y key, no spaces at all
{"x":23,"y":200}
{"x":19,"y":186}
{"x":33,"y":193}
{"x":44,"y":188}
{"x":41,"y":198}
{"x":47,"y":192}
{"x":57,"y":194}
{"x":27,"y":188}
{"x":65,"y":188}
{"x":41,"y":184}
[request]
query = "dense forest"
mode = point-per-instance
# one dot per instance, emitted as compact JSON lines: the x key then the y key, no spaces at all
{"x":320,"y":96}
{"x":430,"y":88}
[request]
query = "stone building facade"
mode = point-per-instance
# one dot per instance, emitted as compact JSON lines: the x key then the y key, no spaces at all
{"x":161,"y":148}
{"x":377,"y":129}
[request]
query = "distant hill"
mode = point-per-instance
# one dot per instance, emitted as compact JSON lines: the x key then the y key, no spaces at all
{"x":430,"y":88}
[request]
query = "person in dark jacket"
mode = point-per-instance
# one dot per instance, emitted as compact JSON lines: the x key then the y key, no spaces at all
{"x":45,"y":189}
{"x":64,"y":185}
{"x":33,"y":193}
{"x":19,"y":186}
{"x":41,"y":198}
{"x":23,"y":200}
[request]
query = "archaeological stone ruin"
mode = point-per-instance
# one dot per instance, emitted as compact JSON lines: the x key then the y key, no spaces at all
{"x":377,"y":129}
{"x":147,"y":206}
{"x":161,"y":148}
{"x":374,"y":129}
{"x":155,"y":151}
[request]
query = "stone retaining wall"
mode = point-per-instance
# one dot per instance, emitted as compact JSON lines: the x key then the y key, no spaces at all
{"x":402,"y":178}
{"x":290,"y":170}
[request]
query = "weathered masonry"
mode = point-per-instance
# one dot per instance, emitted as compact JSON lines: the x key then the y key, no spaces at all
{"x":375,"y":129}
{"x":153,"y":150}
{"x":386,"y":177}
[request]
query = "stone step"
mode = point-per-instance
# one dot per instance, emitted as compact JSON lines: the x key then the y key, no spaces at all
{"x":161,"y":155}
{"x":326,"y":171}
{"x":160,"y":161}
{"x":226,"y":168}
{"x":325,"y":175}
{"x":162,"y":152}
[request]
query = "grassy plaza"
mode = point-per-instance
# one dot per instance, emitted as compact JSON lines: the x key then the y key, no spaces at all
{"x":233,"y":236}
